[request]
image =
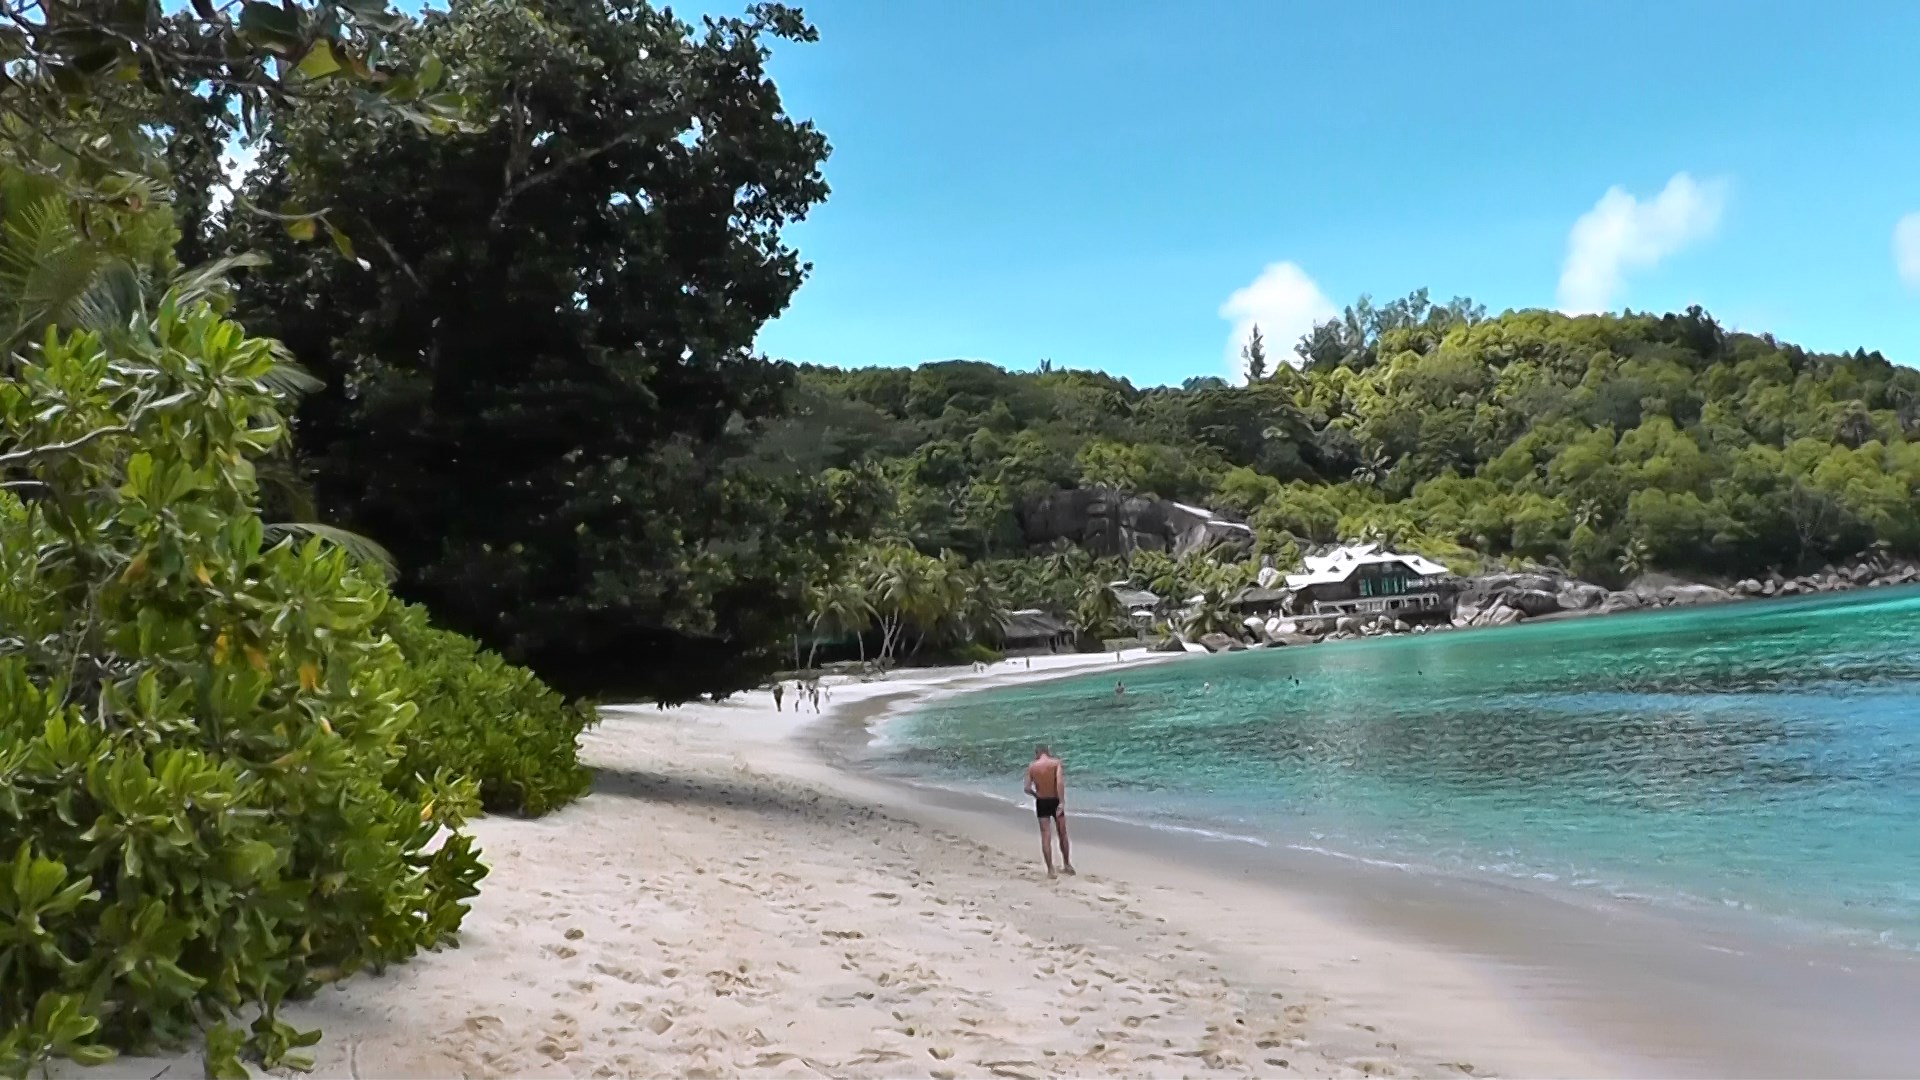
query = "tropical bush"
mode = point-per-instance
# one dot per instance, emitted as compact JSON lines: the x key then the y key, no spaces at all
{"x":231,"y":770}
{"x":485,"y":720}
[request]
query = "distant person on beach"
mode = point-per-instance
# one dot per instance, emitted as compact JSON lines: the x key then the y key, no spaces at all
{"x":779,"y":691}
{"x":1047,"y":783}
{"x":1119,"y":689}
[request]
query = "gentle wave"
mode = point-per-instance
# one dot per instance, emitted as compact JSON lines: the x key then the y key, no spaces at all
{"x":1760,"y":759}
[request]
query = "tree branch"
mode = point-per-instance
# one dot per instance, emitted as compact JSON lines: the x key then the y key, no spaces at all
{"x":34,"y":453}
{"x":519,"y":187}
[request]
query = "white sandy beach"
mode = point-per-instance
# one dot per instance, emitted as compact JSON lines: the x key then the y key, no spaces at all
{"x":724,"y":904}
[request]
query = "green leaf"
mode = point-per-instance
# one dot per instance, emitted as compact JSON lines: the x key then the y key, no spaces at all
{"x":252,"y":859}
{"x":91,"y":1055}
{"x":273,"y":28}
{"x":301,"y":229}
{"x":319,"y":62}
{"x":340,"y":241}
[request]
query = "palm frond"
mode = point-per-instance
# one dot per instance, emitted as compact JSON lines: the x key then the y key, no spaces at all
{"x":46,"y":266}
{"x":210,"y":280}
{"x":287,"y":378}
{"x":360,"y":549}
{"x":283,"y":491}
{"x":113,"y":301}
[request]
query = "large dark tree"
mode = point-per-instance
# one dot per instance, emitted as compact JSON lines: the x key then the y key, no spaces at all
{"x":542,"y":394}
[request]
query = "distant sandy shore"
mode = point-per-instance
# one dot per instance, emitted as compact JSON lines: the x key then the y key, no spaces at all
{"x":726,"y":903}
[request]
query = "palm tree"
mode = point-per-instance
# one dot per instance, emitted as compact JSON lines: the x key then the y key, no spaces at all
{"x":1589,"y":513}
{"x":1377,"y":533}
{"x":944,"y":615}
{"x":903,"y":587}
{"x":1099,"y":608}
{"x":1210,"y":615}
{"x":1635,"y":558}
{"x":986,"y":610}
{"x":1067,"y":560}
{"x":1374,"y":469}
{"x":839,"y":607}
{"x":53,"y":273}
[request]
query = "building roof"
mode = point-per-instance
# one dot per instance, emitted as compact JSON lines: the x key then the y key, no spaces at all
{"x":1134,"y":599}
{"x":1339,"y":564}
{"x":1032,"y":623}
{"x":1255,"y":594}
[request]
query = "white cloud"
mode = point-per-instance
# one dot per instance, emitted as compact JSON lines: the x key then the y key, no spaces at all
{"x":1621,"y":234}
{"x":1906,"y":249}
{"x":1285,"y":303}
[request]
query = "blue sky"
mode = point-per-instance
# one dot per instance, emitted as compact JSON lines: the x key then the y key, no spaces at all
{"x":1121,"y":185}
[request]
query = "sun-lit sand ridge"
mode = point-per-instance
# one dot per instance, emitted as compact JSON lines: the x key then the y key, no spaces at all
{"x":724,"y":904}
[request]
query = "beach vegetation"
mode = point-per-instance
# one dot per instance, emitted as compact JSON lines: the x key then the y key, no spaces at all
{"x":233,"y":767}
{"x":541,"y":387}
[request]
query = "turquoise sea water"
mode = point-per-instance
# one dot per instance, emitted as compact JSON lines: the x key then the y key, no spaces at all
{"x":1761,"y":756}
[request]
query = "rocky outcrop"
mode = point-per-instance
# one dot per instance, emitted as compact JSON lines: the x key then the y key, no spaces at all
{"x":1580,"y":596}
{"x":1876,"y":571}
{"x":1221,"y":643}
{"x":1109,"y":523}
{"x":1505,"y":599}
{"x":1675,"y":595}
{"x":1620,"y":601}
{"x":1534,"y":603}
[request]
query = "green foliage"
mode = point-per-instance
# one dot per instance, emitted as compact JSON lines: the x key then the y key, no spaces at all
{"x":916,"y":600}
{"x":542,"y":394}
{"x":196,"y":726}
{"x":973,"y":652}
{"x":223,"y":776}
{"x":1614,"y":444}
{"x":126,"y":94}
{"x":1099,"y":613}
{"x":484,"y":720}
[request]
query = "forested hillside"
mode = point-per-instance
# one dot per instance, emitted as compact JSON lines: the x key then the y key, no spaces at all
{"x":1605,"y":444}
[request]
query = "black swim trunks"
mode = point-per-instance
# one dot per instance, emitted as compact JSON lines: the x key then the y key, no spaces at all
{"x":1045,"y":808}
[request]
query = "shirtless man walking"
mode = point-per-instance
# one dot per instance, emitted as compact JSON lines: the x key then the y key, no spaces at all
{"x":1047,"y":783}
